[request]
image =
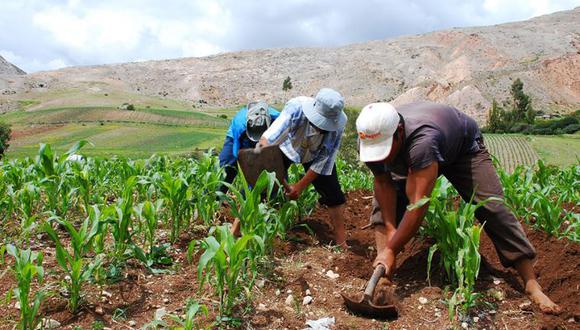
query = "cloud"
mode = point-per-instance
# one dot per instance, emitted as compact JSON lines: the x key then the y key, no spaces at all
{"x":58,"y":33}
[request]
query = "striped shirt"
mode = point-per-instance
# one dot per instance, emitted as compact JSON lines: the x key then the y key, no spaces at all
{"x":300,"y":141}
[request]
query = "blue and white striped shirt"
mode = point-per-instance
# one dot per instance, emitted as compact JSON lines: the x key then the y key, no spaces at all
{"x":300,"y":142}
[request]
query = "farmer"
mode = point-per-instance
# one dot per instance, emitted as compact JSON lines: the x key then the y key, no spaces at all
{"x":308,"y":132}
{"x":407,"y":148}
{"x":245,"y":130}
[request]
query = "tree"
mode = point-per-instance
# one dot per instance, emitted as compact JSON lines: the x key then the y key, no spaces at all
{"x":5,"y":132}
{"x":495,"y":117}
{"x":287,"y":84}
{"x":522,"y":103}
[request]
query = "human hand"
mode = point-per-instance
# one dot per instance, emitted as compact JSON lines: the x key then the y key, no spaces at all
{"x":387,"y":258}
{"x":257,"y":149}
{"x":293,"y":191}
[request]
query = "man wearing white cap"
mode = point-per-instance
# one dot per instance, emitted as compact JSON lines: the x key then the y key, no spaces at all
{"x":308,"y":132}
{"x":407,"y":148}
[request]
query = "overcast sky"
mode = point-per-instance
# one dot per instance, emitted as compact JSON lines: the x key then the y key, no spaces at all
{"x":49,"y":34}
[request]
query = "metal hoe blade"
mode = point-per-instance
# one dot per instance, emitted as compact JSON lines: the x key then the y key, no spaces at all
{"x":365,"y":306}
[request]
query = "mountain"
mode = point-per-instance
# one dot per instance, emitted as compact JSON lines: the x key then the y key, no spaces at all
{"x":9,"y":68}
{"x":464,"y":67}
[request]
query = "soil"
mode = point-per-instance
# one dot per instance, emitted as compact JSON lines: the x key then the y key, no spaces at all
{"x":302,"y":265}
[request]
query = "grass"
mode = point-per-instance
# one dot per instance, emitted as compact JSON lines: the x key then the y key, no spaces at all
{"x":560,"y":150}
{"x":129,"y":140}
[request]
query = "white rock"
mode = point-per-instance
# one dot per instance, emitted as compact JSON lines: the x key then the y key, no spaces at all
{"x":307,"y":292}
{"x":492,"y":311}
{"x":106,"y":294}
{"x":423,"y":300}
{"x":262,"y":307}
{"x":160,"y":313}
{"x":132,"y":323}
{"x":475,"y":319}
{"x":99,"y":310}
{"x":49,"y":324}
{"x":277,"y":292}
{"x":17,"y":305}
{"x":288,"y":291}
{"x":261,"y":283}
{"x":331,"y":274}
{"x":166,"y":300}
{"x":464,"y":325}
{"x":289,"y":300}
{"x":307,"y":300}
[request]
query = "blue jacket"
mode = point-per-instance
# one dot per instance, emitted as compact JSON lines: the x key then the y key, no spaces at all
{"x":236,"y":137}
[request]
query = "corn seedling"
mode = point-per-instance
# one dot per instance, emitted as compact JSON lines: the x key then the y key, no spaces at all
{"x":188,"y":322}
{"x":228,"y":265}
{"x":73,"y":264}
{"x":27,"y":267}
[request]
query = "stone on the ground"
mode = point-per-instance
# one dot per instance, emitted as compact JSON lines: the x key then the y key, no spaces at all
{"x":307,"y":292}
{"x":262,"y":307}
{"x":289,"y":300}
{"x":475,"y":319}
{"x":99,"y":310}
{"x":332,"y":275}
{"x":423,"y":300}
{"x":48,"y":324}
{"x":307,"y":300}
{"x":464,"y":325}
{"x":160,"y":313}
{"x":132,"y":323}
{"x":277,"y":293}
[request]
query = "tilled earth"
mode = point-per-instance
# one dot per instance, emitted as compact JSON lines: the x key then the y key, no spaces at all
{"x":307,"y":265}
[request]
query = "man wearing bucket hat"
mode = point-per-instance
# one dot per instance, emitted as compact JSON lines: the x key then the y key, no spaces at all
{"x":308,"y":132}
{"x":244,"y":132}
{"x":407,"y":148}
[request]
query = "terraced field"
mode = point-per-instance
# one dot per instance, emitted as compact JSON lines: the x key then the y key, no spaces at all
{"x":135,"y":134}
{"x":511,"y":150}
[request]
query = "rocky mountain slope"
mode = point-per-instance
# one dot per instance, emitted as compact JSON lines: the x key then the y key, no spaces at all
{"x":465,"y":67}
{"x":7,"y":68}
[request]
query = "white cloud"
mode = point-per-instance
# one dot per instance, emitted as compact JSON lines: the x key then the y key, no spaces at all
{"x":57,"y":33}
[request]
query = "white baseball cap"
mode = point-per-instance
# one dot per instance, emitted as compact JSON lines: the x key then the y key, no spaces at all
{"x":376,"y":126}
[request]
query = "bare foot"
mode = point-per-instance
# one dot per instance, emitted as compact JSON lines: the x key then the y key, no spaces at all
{"x":546,"y":305}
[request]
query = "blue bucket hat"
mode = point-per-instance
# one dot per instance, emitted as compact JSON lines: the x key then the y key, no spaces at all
{"x":326,"y":110}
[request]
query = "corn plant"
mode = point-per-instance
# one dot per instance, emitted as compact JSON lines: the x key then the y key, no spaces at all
{"x":147,"y":213}
{"x":74,"y":264}
{"x":174,"y":191}
{"x":27,"y":267}
{"x":188,"y":322}
{"x":229,"y":266}
{"x":27,"y":199}
{"x":120,"y":218}
{"x":55,"y":177}
{"x":457,"y":238}
{"x":548,"y":214}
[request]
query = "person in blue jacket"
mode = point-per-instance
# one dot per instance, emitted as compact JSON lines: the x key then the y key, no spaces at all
{"x":246,"y":128}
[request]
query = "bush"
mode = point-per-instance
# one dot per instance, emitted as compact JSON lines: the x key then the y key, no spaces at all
{"x":5,"y":132}
{"x":571,"y":129}
{"x":519,"y":127}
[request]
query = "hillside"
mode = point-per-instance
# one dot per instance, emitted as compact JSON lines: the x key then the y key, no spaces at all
{"x":465,"y":67}
{"x":7,"y":68}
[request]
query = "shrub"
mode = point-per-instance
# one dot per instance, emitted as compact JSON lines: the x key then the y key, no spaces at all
{"x":571,"y":129}
{"x":5,"y":132}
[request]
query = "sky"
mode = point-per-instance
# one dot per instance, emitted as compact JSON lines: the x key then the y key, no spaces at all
{"x":39,"y":35}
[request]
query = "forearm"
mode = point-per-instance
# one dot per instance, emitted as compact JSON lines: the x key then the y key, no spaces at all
{"x":386,"y":197}
{"x":306,"y":180}
{"x":407,"y":229}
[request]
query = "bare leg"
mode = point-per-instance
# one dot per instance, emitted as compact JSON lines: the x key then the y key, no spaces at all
{"x":337,"y":215}
{"x":235,"y":229}
{"x":533,"y":288}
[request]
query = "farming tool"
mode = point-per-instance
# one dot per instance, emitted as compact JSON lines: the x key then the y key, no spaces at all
{"x":254,"y":161}
{"x":365,"y":306}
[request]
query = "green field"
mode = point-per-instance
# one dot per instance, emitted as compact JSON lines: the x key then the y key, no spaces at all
{"x":514,"y":149}
{"x":558,"y":150}
{"x":126,"y":139}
